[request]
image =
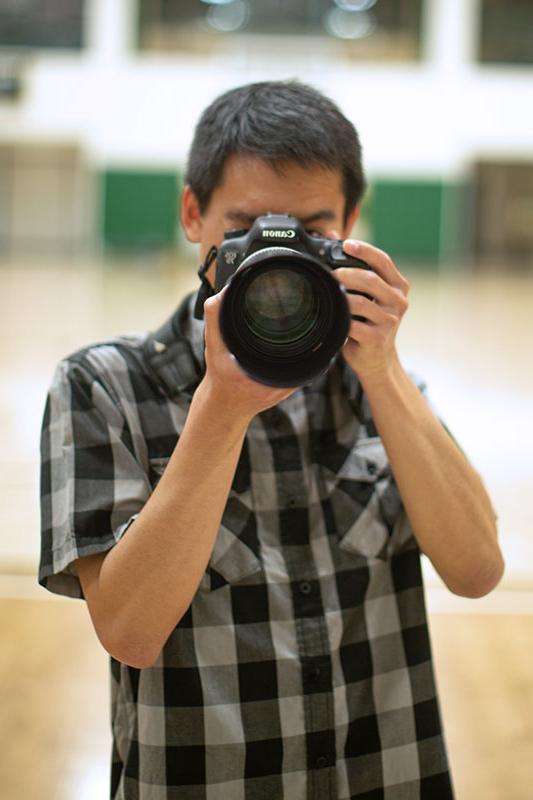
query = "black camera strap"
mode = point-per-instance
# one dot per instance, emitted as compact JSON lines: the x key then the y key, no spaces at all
{"x":205,"y":290}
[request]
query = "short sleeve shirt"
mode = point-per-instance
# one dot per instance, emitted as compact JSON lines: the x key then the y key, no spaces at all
{"x":302,"y":668}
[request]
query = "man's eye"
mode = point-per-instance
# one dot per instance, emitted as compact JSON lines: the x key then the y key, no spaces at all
{"x":316,"y":234}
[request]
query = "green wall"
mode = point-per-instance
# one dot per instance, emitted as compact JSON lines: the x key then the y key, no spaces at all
{"x":406,"y":219}
{"x":420,"y":221}
{"x":140,"y":209}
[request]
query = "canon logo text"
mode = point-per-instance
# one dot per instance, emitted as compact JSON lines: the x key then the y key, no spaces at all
{"x":273,"y":234}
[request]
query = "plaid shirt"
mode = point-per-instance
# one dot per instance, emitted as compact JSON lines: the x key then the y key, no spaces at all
{"x":302,"y":669}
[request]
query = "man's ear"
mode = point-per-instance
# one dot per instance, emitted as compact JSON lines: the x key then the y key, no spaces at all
{"x":191,"y":217}
{"x":350,"y":222}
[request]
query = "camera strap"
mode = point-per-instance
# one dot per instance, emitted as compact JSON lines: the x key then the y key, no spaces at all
{"x":205,"y":290}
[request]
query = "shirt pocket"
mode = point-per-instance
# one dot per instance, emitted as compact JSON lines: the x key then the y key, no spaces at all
{"x":365,"y":502}
{"x":236,"y":553}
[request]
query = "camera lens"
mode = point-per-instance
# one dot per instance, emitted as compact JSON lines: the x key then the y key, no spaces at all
{"x":283,"y":316}
{"x":280,"y":306}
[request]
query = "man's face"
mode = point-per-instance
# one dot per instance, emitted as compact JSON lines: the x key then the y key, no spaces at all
{"x":250,"y":188}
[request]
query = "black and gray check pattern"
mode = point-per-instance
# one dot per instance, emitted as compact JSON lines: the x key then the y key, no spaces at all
{"x":302,"y":669}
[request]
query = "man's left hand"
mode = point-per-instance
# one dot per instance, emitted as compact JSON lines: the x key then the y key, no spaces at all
{"x":370,"y":348}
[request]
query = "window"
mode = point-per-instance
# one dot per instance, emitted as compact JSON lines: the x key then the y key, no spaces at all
{"x":41,"y":23}
{"x":506,"y":32}
{"x":370,"y":29}
{"x":503,"y":193}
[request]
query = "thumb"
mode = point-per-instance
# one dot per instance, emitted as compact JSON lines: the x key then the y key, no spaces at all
{"x":211,"y":316}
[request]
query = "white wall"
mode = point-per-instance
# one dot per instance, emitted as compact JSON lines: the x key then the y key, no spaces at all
{"x":433,"y":118}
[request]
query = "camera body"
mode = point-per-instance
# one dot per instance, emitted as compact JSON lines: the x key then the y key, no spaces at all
{"x":283,"y":315}
{"x":275,"y":231}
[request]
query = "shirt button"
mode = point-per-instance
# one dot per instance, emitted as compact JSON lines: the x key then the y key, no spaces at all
{"x":321,"y":761}
{"x":305,"y":587}
{"x":372,"y":468}
{"x":315,"y":672}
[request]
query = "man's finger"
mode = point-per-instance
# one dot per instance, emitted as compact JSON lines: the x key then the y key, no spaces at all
{"x":380,"y":262}
{"x":368,"y":282}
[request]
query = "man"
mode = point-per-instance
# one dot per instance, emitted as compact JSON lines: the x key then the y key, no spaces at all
{"x":250,"y":556}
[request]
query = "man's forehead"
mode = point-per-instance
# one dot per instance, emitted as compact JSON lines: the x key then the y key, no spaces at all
{"x":251,"y":187}
{"x":249,"y":183}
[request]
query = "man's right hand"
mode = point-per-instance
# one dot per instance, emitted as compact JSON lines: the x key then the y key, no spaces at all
{"x":238,"y":397}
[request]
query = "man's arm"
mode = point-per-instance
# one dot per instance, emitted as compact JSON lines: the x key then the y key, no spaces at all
{"x":446,"y":502}
{"x":138,"y":591}
{"x":448,"y":507}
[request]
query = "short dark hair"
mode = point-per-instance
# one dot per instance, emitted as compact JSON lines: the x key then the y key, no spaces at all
{"x":277,"y":121}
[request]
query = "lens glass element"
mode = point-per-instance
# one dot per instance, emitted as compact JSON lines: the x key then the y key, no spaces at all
{"x":280,"y":306}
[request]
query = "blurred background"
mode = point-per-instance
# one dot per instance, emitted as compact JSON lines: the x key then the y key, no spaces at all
{"x":98,"y":101}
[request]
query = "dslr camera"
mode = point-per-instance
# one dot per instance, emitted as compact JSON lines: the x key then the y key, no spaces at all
{"x":283,"y":315}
